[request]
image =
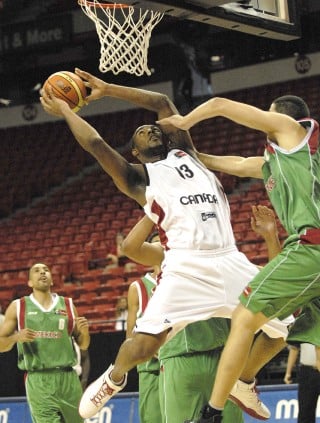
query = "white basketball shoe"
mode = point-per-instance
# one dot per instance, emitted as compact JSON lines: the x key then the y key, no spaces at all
{"x":98,"y":393}
{"x":245,"y":395}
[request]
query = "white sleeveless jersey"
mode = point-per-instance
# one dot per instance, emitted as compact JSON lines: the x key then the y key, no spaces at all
{"x":188,"y":204}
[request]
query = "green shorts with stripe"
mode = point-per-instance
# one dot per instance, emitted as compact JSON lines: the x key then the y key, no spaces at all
{"x":149,"y":404}
{"x":54,"y":396}
{"x":306,"y":326}
{"x":185,"y":386}
{"x":287,"y":283}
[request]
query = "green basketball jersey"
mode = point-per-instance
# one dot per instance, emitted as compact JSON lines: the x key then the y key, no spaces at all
{"x":53,"y":346}
{"x":145,"y":287}
{"x":292,"y":180}
{"x":201,"y":336}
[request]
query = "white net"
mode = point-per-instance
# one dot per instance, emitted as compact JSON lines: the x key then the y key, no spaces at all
{"x":124,"y":35}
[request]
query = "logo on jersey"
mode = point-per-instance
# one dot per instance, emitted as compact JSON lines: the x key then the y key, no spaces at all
{"x":32,"y":313}
{"x":61,"y":312}
{"x":198,"y":199}
{"x":247,"y":291}
{"x":206,"y":216}
{"x":270,"y":184}
{"x":180,"y":154}
{"x":48,"y":334}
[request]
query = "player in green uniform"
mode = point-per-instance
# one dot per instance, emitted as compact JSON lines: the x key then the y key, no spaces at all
{"x":139,"y":293}
{"x":291,"y":172}
{"x":188,"y":362}
{"x":42,"y":325}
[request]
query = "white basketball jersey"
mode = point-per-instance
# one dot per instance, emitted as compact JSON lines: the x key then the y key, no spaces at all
{"x":188,"y":204}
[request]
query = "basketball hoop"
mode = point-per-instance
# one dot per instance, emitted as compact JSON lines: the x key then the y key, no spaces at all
{"x":124,"y":34}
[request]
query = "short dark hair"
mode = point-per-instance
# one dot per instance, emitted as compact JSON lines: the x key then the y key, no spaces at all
{"x":293,"y":106}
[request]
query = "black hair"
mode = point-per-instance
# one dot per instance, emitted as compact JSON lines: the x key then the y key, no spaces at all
{"x":293,"y":106}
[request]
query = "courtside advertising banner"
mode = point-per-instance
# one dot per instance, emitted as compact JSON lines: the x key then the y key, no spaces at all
{"x":281,"y":400}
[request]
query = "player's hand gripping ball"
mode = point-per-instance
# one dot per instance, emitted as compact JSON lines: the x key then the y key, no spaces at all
{"x":69,"y":87}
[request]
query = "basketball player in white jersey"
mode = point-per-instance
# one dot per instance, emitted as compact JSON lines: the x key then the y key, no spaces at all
{"x":203,"y":272}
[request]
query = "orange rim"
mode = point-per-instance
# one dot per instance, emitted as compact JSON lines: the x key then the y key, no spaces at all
{"x":103,"y":5}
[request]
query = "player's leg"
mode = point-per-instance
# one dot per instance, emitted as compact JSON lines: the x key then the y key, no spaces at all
{"x":135,"y":350}
{"x":308,"y":391}
{"x":70,"y":392}
{"x":263,"y":350}
{"x":185,"y":384}
{"x":149,"y":404}
{"x":244,"y":325}
{"x":46,"y":401}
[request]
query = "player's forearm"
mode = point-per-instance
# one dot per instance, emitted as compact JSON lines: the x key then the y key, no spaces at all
{"x":209,"y":109}
{"x":273,"y":245}
{"x":233,"y":165}
{"x":150,"y":100}
{"x":7,"y":342}
{"x":292,"y":359}
{"x":83,"y":340}
{"x":84,"y":133}
{"x":136,"y":237}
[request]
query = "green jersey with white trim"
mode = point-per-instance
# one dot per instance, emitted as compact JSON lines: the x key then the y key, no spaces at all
{"x":292,"y":180}
{"x":53,"y":347}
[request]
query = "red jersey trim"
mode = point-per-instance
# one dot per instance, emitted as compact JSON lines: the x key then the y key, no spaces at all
{"x":311,"y":236}
{"x":22,"y":313}
{"x":156,"y":209}
{"x":71,"y":322}
{"x":144,"y":295}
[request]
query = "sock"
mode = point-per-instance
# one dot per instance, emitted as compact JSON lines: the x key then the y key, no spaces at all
{"x":116,"y":383}
{"x":209,"y":411}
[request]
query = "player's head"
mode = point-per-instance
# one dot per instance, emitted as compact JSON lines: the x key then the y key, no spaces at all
{"x":148,"y":144}
{"x":291,"y":105}
{"x":122,"y":304}
{"x":40,"y":277}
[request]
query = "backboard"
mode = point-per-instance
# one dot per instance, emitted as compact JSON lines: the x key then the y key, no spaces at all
{"x":276,"y":19}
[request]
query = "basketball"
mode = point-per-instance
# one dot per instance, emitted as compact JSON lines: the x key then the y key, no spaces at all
{"x":69,"y":87}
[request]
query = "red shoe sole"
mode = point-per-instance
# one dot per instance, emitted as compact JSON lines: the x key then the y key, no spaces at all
{"x":249,"y":411}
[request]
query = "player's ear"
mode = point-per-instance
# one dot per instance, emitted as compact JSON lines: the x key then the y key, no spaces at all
{"x":134,"y":152}
{"x":30,"y":284}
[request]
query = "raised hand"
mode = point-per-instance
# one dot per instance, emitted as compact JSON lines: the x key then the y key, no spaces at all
{"x":82,"y":325}
{"x":52,"y":104}
{"x":26,"y":335}
{"x":96,"y":86}
{"x":263,"y":221}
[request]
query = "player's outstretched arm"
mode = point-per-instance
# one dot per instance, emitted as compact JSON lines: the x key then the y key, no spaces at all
{"x":151,"y":100}
{"x":130,"y":179}
{"x":159,"y":103}
{"x":244,"y":167}
{"x":279,"y":127}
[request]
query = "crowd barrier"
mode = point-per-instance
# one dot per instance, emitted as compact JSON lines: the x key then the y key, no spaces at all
{"x":281,"y":399}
